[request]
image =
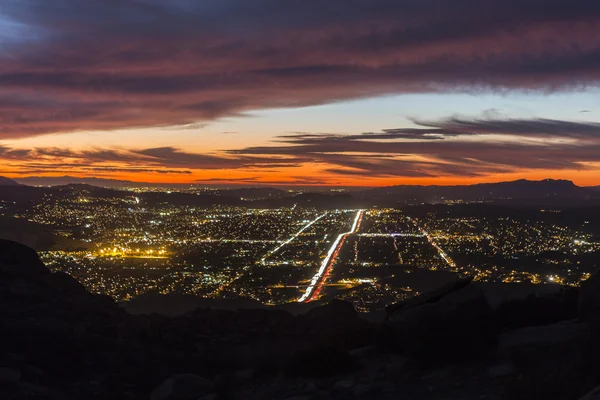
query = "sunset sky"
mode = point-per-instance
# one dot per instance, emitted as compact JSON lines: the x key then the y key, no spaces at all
{"x":301,"y":92}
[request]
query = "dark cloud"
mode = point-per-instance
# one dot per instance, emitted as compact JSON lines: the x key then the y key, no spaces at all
{"x":136,"y":170}
{"x":139,"y":160}
{"x":98,"y":171}
{"x":69,"y":65}
{"x":539,"y":127}
{"x":452,"y":146}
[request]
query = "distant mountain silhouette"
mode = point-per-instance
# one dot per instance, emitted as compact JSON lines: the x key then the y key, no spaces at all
{"x":7,"y":182}
{"x":520,"y":192}
{"x":548,"y":190}
{"x":66,"y":180}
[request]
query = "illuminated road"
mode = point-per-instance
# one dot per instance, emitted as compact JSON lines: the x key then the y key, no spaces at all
{"x":391,"y":235}
{"x":441,"y":252}
{"x":305,"y":227}
{"x":318,"y":280}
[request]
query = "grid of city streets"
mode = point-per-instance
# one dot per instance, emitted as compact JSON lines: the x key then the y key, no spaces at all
{"x":286,"y":255}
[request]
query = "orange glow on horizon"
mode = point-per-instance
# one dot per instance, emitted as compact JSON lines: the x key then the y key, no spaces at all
{"x":314,"y":176}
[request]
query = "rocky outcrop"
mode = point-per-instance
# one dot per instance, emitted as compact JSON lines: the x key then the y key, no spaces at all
{"x":553,"y":361}
{"x":539,"y":309}
{"x":61,"y":342}
{"x":69,"y":343}
{"x":19,"y":260}
{"x":454,"y":324}
{"x":183,"y":387}
{"x":429,"y":297}
{"x":593,"y":394}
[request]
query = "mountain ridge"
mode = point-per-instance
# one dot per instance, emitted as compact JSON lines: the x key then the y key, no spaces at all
{"x":8,"y":182}
{"x":525,"y":192}
{"x":106,"y":182}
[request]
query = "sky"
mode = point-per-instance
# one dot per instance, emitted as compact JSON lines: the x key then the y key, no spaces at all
{"x":301,"y":92}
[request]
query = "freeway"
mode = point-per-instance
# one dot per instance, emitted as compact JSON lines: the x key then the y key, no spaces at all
{"x":318,"y":280}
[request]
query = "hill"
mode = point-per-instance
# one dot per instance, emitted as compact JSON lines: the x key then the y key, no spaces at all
{"x":522,"y":191}
{"x":7,"y":182}
{"x":37,"y":236}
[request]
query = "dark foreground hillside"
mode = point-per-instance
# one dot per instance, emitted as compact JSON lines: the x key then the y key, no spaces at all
{"x":61,"y":342}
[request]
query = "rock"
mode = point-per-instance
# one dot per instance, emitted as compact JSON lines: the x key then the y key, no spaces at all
{"x":68,"y":284}
{"x":212,"y":396}
{"x":429,"y":297}
{"x":552,"y":360}
{"x":30,"y":390}
{"x":361,"y":390}
{"x":545,"y":337}
{"x":318,"y":361}
{"x":182,"y":387}
{"x":9,"y":375}
{"x":363,"y":351}
{"x":335,"y":311}
{"x":386,"y":387}
{"x":245,"y":374}
{"x":13,"y":254}
{"x":339,"y":322}
{"x":343,"y":385}
{"x":589,"y":299}
{"x":32,"y":373}
{"x":500,"y":371}
{"x":539,"y":309}
{"x":311,"y":387}
{"x":594,"y":394}
{"x":458,"y":326}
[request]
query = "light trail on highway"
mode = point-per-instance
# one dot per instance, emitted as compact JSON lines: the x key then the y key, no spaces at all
{"x":317,"y":281}
{"x":305,"y":227}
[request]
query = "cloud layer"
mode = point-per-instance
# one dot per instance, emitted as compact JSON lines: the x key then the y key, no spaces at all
{"x":458,"y":147}
{"x":68,"y":65}
{"x":452,"y":146}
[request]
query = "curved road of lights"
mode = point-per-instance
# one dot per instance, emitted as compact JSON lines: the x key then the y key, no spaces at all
{"x":317,"y":280}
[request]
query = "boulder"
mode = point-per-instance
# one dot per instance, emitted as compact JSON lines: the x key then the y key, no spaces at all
{"x":531,"y":340}
{"x":9,"y":375}
{"x":13,"y":254}
{"x":333,"y":313}
{"x":68,"y":284}
{"x":457,"y":326}
{"x":429,"y":297}
{"x":338,"y":323}
{"x":182,"y":387}
{"x":319,"y":360}
{"x":344,"y":385}
{"x":539,"y":309}
{"x":593,"y":394}
{"x":552,"y":360}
